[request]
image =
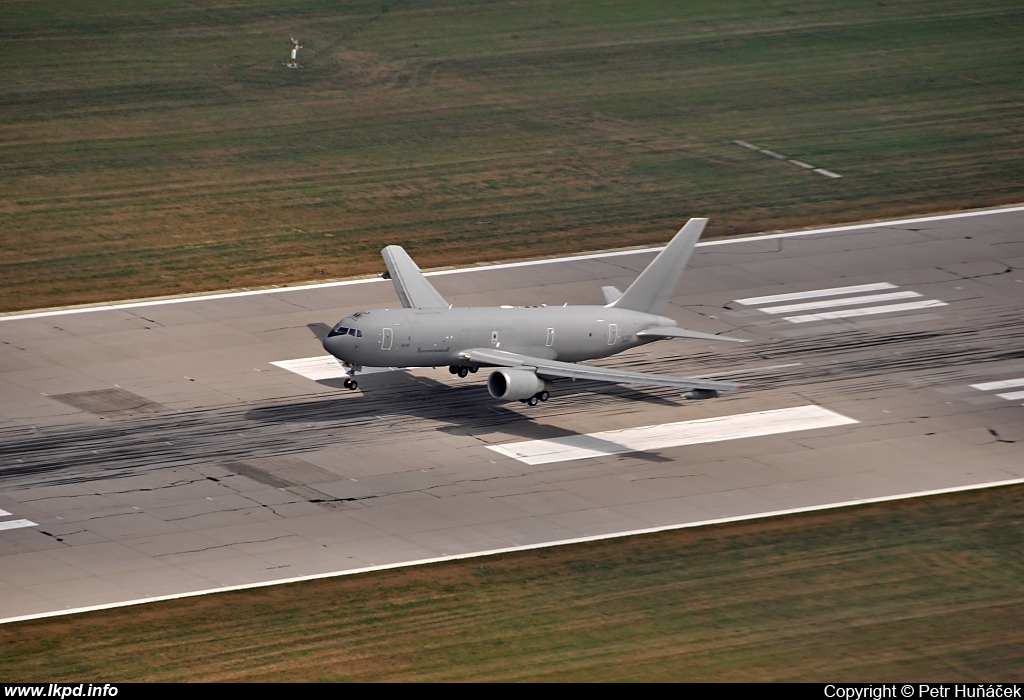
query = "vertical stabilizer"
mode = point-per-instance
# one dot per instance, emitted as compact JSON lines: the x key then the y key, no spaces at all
{"x":413,"y":288}
{"x":651,"y":291}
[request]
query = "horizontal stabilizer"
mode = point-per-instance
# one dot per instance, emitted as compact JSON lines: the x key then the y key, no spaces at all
{"x":549,"y":369}
{"x":413,"y":288}
{"x":669,"y":332}
{"x":610,"y":294}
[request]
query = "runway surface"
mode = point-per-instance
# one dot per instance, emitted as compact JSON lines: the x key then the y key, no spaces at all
{"x":154,"y":449}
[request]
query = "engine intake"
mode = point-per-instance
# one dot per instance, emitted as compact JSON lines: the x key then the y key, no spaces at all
{"x":515,"y":384}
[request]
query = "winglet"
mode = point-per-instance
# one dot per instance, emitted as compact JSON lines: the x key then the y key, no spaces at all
{"x":413,"y":288}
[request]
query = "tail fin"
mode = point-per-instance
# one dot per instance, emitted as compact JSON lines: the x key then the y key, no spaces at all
{"x":651,"y":291}
{"x":413,"y":288}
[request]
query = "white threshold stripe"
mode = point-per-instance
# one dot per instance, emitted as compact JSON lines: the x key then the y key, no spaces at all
{"x":326,"y":367}
{"x":814,"y":293}
{"x":14,"y":316}
{"x":1004,"y":384}
{"x":3,"y":513}
{"x":832,"y":303}
{"x":15,"y":524}
{"x":524,"y":548}
{"x":1012,"y":396}
{"x":321,"y":367}
{"x":657,"y":437}
{"x":869,"y":311}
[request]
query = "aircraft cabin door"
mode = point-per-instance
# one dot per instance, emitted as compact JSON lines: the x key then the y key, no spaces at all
{"x":613,"y":333}
{"x":386,"y":338}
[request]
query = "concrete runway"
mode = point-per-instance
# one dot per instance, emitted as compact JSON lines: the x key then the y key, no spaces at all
{"x":152,"y":449}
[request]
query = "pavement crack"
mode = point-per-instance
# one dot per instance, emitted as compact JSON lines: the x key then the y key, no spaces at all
{"x":222,"y":546}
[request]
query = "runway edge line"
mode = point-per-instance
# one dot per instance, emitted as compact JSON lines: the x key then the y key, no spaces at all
{"x":212,"y":296}
{"x":519,"y":548}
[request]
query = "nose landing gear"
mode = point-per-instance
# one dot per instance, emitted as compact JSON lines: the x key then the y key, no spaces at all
{"x":351,"y":384}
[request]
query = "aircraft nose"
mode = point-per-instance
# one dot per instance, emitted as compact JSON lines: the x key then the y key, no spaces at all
{"x":333,"y":344}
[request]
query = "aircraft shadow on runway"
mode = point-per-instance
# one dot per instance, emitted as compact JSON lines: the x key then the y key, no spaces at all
{"x":460,"y":410}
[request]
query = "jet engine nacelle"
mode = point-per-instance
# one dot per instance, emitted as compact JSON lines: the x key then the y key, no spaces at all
{"x":515,"y":384}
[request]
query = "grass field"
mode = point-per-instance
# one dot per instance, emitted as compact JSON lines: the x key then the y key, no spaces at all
{"x":920,"y":590}
{"x":163,"y":147}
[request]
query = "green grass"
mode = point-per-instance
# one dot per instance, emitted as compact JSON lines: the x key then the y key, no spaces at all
{"x":163,"y":147}
{"x":927,"y":589}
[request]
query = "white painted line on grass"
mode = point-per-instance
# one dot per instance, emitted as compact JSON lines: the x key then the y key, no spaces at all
{"x":15,"y":524}
{"x":814,"y":293}
{"x":801,"y":164}
{"x":126,"y":305}
{"x":1012,"y":396}
{"x":1004,"y":384}
{"x":831,"y":303}
{"x":524,"y":548}
{"x":869,"y":311}
{"x":826,"y":173}
{"x":658,"y":437}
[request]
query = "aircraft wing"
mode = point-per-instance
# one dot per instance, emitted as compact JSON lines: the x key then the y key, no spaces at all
{"x":413,"y":288}
{"x":672,"y":332}
{"x":570,"y":370}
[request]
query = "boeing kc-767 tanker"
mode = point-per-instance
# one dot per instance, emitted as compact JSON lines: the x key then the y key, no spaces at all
{"x":527,"y":345}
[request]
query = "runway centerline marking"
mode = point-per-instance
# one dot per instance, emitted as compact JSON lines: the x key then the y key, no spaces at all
{"x":656,"y":437}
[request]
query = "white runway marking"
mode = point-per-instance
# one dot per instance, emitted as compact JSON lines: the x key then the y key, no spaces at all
{"x":322,"y":367}
{"x":1012,"y":396}
{"x":815,"y":293}
{"x":326,"y":367}
{"x":831,"y":303}
{"x":1004,"y":384}
{"x":15,"y":524}
{"x":656,"y":437}
{"x":126,"y":305}
{"x":3,"y":513}
{"x":850,"y":313}
{"x":523,"y":548}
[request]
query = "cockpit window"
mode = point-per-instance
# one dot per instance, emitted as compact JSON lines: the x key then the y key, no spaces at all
{"x":338,"y":330}
{"x":351,"y":331}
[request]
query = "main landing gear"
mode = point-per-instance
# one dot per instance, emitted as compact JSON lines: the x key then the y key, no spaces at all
{"x":351,"y":384}
{"x":532,"y":401}
{"x":463,"y":372}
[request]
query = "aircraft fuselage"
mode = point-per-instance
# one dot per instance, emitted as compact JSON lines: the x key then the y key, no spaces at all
{"x":435,"y":337}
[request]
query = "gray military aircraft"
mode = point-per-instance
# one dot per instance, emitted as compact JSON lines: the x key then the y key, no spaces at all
{"x":528,"y":345}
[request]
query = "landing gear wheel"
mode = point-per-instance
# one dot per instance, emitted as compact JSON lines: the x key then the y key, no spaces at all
{"x":351,"y":384}
{"x":463,"y":372}
{"x":543,"y":396}
{"x":532,"y":401}
{"x":473,"y":369}
{"x":453,"y":369}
